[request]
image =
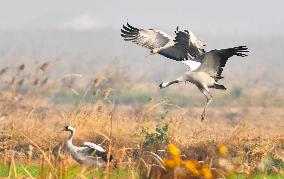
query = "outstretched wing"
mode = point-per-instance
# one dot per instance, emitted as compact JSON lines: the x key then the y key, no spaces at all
{"x":178,"y":49}
{"x":196,"y":46}
{"x":148,"y":38}
{"x":185,"y":46}
{"x":94,"y":146}
{"x":214,"y":61}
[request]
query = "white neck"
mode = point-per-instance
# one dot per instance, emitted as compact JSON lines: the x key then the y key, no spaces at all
{"x":70,"y":137}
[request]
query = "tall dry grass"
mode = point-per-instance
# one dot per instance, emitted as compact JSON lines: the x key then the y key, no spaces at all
{"x":31,"y":129}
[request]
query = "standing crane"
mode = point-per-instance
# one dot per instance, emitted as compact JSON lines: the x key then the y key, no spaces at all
{"x":91,"y":154}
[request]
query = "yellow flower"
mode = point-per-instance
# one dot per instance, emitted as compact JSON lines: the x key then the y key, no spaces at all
{"x":169,"y":163}
{"x":207,"y":173}
{"x":192,"y":167}
{"x":172,"y":163}
{"x":174,"y":151}
{"x":223,"y":150}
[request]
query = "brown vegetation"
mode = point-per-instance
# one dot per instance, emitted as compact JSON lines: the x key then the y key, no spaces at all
{"x":31,"y":126}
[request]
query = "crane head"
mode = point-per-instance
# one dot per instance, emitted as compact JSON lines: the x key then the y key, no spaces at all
{"x":153,"y":51}
{"x":69,"y":128}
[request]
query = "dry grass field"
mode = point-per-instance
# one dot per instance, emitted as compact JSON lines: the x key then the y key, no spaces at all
{"x":150,"y":134}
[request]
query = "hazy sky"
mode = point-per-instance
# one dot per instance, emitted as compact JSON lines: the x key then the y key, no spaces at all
{"x":211,"y":16}
{"x":49,"y":29}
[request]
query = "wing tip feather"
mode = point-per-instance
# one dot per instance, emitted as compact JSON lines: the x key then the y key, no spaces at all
{"x":129,"y":32}
{"x":241,"y":50}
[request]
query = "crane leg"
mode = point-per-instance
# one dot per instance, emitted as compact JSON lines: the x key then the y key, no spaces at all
{"x":209,"y":100}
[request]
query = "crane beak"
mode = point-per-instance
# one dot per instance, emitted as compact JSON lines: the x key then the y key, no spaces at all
{"x":151,"y":53}
{"x":64,"y":129}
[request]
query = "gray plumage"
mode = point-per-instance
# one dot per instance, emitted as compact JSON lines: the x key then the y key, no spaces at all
{"x":209,"y":72}
{"x":89,"y":155}
{"x":183,"y":46}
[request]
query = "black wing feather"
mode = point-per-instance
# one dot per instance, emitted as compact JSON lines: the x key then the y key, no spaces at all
{"x":214,"y":61}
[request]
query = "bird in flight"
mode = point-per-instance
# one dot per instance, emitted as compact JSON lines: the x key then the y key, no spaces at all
{"x":184,"y":45}
{"x":205,"y":68}
{"x":209,"y":72}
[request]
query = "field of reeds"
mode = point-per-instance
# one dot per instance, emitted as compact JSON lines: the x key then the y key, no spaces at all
{"x":150,"y":133}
